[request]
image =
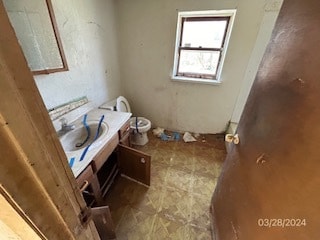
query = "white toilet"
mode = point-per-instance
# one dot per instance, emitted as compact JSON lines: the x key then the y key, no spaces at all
{"x":139,"y":125}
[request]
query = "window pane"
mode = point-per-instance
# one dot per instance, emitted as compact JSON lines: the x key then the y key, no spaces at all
{"x":207,"y":34}
{"x":199,"y":62}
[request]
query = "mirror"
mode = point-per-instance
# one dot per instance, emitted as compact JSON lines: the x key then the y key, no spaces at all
{"x":36,"y":29}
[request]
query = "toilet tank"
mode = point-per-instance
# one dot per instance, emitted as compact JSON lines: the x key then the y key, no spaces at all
{"x":111,"y":105}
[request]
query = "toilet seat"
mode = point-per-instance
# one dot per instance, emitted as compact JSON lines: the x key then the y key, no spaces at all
{"x":123,"y":105}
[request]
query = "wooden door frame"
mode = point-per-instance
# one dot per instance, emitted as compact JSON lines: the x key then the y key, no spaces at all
{"x":33,"y":167}
{"x":16,"y":222}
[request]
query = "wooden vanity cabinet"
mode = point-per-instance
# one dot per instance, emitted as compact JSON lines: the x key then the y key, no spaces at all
{"x":124,"y":134}
{"x":85,"y":177}
{"x":115,"y":157}
{"x":105,"y":166}
{"x":107,"y":173}
{"x":88,"y":183}
{"x":104,"y":153}
{"x":89,"y":186}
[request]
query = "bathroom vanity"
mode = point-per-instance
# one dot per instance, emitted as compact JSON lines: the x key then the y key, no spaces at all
{"x":112,"y":156}
{"x":109,"y":155}
{"x":113,"y":159}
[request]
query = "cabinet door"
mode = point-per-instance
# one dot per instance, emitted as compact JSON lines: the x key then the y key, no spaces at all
{"x":134,"y":164}
{"x":102,"y":219}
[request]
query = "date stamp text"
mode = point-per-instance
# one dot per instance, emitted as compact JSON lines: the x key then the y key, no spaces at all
{"x":282,"y":222}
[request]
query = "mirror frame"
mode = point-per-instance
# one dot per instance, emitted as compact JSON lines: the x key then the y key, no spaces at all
{"x":59,"y":44}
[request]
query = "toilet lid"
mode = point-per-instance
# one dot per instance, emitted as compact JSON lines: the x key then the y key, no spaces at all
{"x":123,"y":105}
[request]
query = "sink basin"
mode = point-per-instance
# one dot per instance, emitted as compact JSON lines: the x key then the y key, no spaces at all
{"x":79,"y":134}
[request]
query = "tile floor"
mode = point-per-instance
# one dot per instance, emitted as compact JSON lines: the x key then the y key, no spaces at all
{"x":176,"y":205}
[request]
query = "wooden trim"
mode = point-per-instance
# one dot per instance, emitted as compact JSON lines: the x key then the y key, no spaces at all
{"x":59,"y":43}
{"x":56,"y":33}
{"x":35,"y":170}
{"x":19,"y":211}
{"x":31,"y":195}
{"x":48,"y":71}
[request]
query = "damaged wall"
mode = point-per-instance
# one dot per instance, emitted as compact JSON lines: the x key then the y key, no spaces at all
{"x":143,"y":33}
{"x":147,"y":31}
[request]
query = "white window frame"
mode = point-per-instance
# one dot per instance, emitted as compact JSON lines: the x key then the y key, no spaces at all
{"x":211,"y":13}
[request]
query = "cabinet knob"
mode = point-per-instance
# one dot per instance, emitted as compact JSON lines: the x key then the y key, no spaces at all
{"x":143,"y":160}
{"x":232,"y":138}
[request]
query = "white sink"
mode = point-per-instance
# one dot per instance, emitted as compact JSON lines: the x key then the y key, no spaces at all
{"x":70,"y":140}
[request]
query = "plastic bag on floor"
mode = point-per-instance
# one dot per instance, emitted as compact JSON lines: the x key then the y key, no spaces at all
{"x":158,"y":131}
{"x":187,"y":137}
{"x":174,"y":137}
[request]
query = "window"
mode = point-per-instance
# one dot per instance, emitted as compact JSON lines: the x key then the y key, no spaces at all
{"x":202,"y":39}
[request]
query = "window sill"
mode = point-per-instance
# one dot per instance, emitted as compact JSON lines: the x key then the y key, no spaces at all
{"x":195,"y":80}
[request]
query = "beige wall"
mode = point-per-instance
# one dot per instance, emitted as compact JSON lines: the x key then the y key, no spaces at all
{"x":88,"y":34}
{"x":104,"y":40}
{"x":147,"y":30}
{"x":263,"y":38}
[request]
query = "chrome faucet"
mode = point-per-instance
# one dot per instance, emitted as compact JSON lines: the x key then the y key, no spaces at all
{"x":65,"y":127}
